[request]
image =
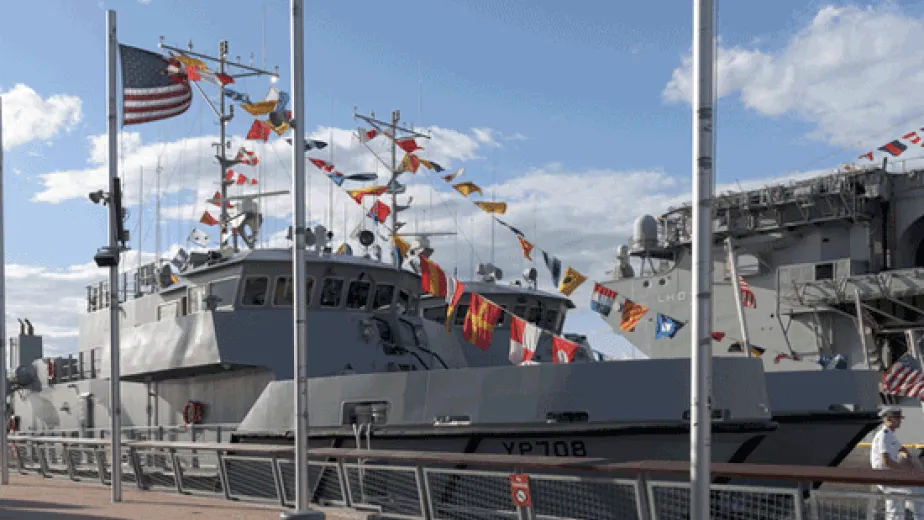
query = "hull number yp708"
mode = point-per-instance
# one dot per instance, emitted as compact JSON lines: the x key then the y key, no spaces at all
{"x":568,"y":448}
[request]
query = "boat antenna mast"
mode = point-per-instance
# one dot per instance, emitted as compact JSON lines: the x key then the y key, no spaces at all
{"x":224,"y":112}
{"x":393,"y":130}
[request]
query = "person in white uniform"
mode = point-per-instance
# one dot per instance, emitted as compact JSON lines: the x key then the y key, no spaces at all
{"x":887,"y":453}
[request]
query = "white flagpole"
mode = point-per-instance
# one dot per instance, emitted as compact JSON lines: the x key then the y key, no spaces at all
{"x":115,"y":404}
{"x":4,"y":442}
{"x":701,"y":333}
{"x":302,"y":492}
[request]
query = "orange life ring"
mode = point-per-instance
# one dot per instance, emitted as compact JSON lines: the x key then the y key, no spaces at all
{"x":52,"y":369}
{"x":192,"y":413}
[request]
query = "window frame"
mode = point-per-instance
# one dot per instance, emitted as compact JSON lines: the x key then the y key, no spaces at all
{"x":266,"y":291}
{"x":340,"y":298}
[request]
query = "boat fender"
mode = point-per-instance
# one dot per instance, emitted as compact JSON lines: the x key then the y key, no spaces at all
{"x":192,"y":413}
{"x":52,"y":369}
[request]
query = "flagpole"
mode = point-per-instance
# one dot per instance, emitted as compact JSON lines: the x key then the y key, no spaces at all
{"x":115,"y":404}
{"x":302,"y":496}
{"x":736,"y":287}
{"x":701,"y":319}
{"x":4,"y":441}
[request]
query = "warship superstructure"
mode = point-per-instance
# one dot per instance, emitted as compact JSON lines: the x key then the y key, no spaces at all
{"x":830,"y":289}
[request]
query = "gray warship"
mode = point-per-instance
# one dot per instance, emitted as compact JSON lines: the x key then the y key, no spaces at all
{"x":834,"y":265}
{"x":207,"y":339}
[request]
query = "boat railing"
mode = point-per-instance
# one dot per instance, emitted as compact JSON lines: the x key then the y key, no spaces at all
{"x":133,"y":283}
{"x":203,"y":432}
{"x":435,"y":485}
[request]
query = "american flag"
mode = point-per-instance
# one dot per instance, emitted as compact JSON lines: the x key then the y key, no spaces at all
{"x":903,"y":379}
{"x":153,"y":88}
{"x":747,"y":295}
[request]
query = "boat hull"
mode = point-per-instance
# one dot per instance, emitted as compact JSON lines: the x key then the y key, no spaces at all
{"x":394,"y":491}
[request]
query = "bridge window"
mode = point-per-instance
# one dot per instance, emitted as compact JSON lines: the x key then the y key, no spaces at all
{"x":309,"y":289}
{"x":407,"y":303}
{"x":503,"y":317}
{"x":519,"y":310}
{"x":255,"y":290}
{"x":384,"y":294}
{"x":461,"y":311}
{"x":283,"y":294}
{"x":358,"y":294}
{"x":331,"y":292}
{"x":437,"y":314}
{"x":223,"y":291}
{"x":534,"y":315}
{"x":551,"y":320}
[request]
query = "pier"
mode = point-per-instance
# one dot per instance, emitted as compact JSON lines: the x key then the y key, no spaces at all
{"x":55,"y":477}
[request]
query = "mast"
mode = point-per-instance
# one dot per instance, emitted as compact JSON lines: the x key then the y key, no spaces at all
{"x":701,"y":319}
{"x":223,"y":146}
{"x":395,"y":117}
{"x":223,"y":117}
{"x":157,"y":219}
{"x":393,"y":129}
{"x":140,"y":222}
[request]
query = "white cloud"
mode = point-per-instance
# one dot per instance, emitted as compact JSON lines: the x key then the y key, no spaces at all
{"x":27,"y":117}
{"x":485,"y":136}
{"x":851,"y":72}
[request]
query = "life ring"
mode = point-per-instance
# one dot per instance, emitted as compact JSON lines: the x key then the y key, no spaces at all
{"x":192,"y":413}
{"x":52,"y":369}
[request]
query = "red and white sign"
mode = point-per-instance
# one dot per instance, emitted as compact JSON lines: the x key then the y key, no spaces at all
{"x":519,"y":490}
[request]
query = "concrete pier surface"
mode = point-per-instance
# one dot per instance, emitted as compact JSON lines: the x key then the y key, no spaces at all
{"x":39,"y":498}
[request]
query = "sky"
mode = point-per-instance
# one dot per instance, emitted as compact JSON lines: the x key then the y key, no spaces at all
{"x":576,"y":114}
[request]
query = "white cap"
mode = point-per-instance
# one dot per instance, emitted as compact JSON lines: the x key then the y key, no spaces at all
{"x":890,"y":410}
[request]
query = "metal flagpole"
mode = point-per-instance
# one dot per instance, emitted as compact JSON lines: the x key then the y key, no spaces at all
{"x":115,"y":404}
{"x":701,"y":332}
{"x":4,"y":446}
{"x":736,"y":287}
{"x":302,"y":496}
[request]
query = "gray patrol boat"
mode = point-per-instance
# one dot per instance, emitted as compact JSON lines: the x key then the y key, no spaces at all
{"x":833,"y":267}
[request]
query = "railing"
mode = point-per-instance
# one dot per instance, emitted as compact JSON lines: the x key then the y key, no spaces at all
{"x":431,"y":485}
{"x":206,"y":432}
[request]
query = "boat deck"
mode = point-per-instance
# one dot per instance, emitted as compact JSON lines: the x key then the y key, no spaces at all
{"x":41,"y":498}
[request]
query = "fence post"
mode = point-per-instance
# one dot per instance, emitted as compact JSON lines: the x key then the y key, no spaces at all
{"x":422,"y":491}
{"x":137,"y":468}
{"x":641,"y":497}
{"x":223,"y":475}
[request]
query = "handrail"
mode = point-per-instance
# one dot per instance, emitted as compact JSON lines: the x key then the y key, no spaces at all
{"x":523,"y":462}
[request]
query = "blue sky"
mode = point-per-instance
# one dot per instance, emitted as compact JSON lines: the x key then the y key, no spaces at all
{"x":576,"y":96}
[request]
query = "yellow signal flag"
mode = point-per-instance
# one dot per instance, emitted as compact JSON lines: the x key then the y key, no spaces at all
{"x":571,"y":281}
{"x":260,"y":108}
{"x":467,"y":188}
{"x":192,"y":62}
{"x":493,"y":207}
{"x":402,"y":245}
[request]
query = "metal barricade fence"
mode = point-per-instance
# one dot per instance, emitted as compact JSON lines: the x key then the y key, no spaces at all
{"x":427,"y":485}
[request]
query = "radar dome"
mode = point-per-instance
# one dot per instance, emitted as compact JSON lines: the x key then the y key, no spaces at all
{"x":645,"y":234}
